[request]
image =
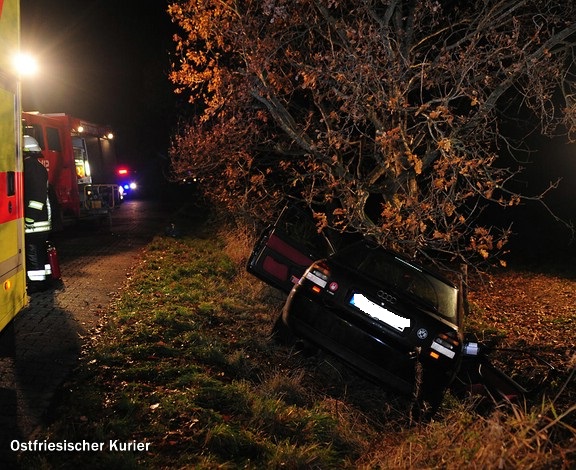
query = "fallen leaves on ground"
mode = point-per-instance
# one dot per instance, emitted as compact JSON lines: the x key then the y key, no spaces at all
{"x":534,"y":311}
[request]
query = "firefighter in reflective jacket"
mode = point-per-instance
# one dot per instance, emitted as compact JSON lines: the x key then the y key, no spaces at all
{"x":36,"y":212}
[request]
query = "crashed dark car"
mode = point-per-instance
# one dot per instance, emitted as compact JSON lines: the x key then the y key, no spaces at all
{"x":388,"y":317}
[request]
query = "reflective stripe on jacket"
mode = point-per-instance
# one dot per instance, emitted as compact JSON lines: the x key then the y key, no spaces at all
{"x":36,"y":205}
{"x":37,"y":226}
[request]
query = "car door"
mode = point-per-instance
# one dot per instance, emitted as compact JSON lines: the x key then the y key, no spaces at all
{"x":278,"y":260}
{"x":286,"y":249}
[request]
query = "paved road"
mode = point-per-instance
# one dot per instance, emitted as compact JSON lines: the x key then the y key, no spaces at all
{"x":42,"y":345}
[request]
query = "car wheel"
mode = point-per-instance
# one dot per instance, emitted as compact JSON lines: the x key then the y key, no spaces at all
{"x":282,"y":334}
{"x":430,"y":395}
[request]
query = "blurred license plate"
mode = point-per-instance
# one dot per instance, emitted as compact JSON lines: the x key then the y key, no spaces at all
{"x":378,"y":312}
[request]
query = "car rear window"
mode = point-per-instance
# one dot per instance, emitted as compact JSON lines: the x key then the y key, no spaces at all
{"x":403,"y":276}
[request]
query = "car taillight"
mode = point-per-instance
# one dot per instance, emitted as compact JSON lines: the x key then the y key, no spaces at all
{"x":444,"y":345}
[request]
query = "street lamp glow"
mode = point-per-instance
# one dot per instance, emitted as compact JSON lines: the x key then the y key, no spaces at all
{"x":25,"y":64}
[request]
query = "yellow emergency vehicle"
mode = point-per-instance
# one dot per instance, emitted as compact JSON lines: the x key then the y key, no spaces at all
{"x":12,"y":258}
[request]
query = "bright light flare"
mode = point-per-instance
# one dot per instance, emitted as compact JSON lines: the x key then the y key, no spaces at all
{"x":25,"y":65}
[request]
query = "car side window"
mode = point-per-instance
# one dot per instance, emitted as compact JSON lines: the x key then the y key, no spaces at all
{"x":300,"y":227}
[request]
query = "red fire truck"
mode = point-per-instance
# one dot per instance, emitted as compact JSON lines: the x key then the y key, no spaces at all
{"x":81,"y":162}
{"x":12,"y":271}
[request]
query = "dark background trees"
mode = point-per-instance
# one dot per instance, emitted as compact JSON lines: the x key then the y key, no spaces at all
{"x":398,"y":119}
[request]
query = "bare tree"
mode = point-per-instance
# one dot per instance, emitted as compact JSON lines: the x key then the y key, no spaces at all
{"x":394,"y":118}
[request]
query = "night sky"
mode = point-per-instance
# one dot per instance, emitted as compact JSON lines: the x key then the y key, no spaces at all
{"x":105,"y":61}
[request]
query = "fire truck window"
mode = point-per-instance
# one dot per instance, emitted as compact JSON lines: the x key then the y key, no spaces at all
{"x":35,"y":130}
{"x":53,"y":139}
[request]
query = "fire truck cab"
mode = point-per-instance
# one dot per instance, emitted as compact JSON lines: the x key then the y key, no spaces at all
{"x":81,"y":159}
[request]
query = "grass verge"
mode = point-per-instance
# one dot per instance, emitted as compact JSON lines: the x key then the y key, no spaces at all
{"x":185,"y":368}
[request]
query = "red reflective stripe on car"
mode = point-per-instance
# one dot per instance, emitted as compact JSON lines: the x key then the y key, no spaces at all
{"x":276,"y":269}
{"x":279,"y":245}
